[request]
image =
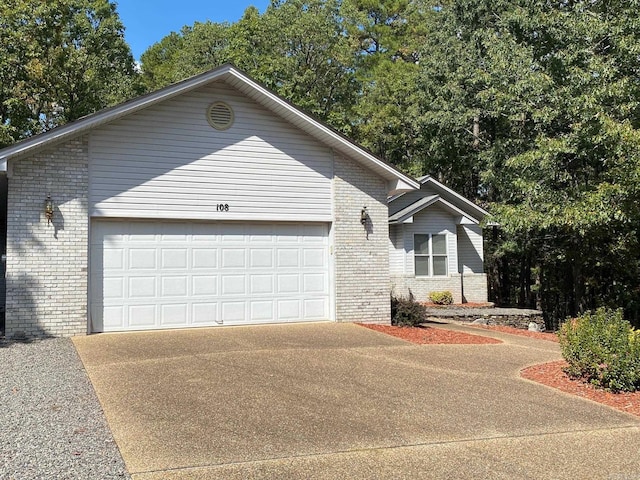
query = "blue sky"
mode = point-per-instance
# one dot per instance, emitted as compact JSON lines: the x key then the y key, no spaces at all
{"x":147,"y":21}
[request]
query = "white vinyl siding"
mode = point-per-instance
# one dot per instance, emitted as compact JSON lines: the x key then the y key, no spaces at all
{"x":470,"y":248}
{"x":434,"y":221}
{"x":168,"y":162}
{"x":155,"y":275}
{"x":396,"y":250}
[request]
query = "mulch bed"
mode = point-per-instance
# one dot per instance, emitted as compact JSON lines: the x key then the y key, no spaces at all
{"x":552,"y":375}
{"x":549,"y":374}
{"x":424,"y":335}
{"x":549,"y":336}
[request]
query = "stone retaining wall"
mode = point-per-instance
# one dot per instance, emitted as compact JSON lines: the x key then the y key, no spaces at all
{"x":507,"y":317}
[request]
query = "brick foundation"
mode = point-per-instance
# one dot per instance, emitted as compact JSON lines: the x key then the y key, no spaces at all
{"x":475,"y":287}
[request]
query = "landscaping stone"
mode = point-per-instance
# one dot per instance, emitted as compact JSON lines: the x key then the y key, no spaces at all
{"x":510,"y":317}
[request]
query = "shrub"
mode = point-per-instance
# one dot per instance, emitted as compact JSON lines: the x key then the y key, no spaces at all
{"x":441,"y":298}
{"x":603,"y":349}
{"x":406,"y":311}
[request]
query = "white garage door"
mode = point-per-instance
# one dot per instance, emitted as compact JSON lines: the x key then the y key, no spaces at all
{"x":152,"y":275}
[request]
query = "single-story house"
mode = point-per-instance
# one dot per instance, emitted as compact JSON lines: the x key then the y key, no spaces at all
{"x":435,"y":243}
{"x":213,"y":202}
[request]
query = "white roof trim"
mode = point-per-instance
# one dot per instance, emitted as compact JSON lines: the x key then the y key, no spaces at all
{"x":406,"y":214}
{"x":438,"y":185}
{"x":398,"y":180}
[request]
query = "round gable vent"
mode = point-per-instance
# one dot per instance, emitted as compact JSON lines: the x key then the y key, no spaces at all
{"x":220,"y":115}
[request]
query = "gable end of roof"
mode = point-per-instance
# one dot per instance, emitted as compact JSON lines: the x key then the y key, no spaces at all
{"x":397,"y":181}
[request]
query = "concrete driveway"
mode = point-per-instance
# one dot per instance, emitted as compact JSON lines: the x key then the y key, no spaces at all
{"x":342,"y":401}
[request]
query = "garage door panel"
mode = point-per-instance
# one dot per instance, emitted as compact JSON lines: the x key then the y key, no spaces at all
{"x":205,"y":258}
{"x":140,"y":237}
{"x":204,"y":233}
{"x":142,"y":287}
{"x":174,"y":258}
{"x":114,"y":259}
{"x":147,"y":275}
{"x":234,"y":312}
{"x":261,"y":284}
{"x":174,"y":286}
{"x":288,"y":234}
{"x":114,"y":318}
{"x":233,"y":234}
{"x":204,"y":314}
{"x":233,"y":285}
{"x":142,"y":259}
{"x":288,"y":258}
{"x":289,"y":283}
{"x":233,"y":258}
{"x":261,"y":258}
{"x":142,"y":316}
{"x":314,"y":233}
{"x":114,"y":288}
{"x":289,"y":310}
{"x":261,"y":233}
{"x":204,"y":285}
{"x":314,"y":257}
{"x":315,"y":309}
{"x":262,"y":311}
{"x":314,"y":283}
{"x":174,"y":315}
{"x":172,"y":233}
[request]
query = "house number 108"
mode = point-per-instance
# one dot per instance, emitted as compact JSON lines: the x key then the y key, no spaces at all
{"x":222,"y":207}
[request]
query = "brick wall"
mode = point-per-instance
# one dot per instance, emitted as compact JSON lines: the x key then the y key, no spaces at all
{"x":475,"y":287}
{"x":361,"y":252}
{"x":47,"y":264}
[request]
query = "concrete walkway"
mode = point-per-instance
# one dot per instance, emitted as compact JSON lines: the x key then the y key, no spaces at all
{"x":341,"y":401}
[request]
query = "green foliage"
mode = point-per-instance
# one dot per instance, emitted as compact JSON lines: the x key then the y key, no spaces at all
{"x":59,"y":60}
{"x":297,"y":48}
{"x":602,"y":348}
{"x":441,"y":298}
{"x":350,"y":63}
{"x":533,"y":108}
{"x":406,"y":311}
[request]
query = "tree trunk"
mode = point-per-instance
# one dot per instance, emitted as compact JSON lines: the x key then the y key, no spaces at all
{"x":476,"y":131}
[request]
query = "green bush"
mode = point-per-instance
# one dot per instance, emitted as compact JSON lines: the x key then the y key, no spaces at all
{"x":441,"y":298}
{"x":603,"y":349}
{"x":406,"y":312}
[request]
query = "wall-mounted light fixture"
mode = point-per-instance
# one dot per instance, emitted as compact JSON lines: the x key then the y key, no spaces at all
{"x":364,"y":216}
{"x":48,"y":209}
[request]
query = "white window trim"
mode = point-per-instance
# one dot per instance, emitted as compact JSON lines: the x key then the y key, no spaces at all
{"x":431,"y":255}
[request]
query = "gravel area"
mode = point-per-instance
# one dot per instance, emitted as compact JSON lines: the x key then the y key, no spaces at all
{"x":52,"y":425}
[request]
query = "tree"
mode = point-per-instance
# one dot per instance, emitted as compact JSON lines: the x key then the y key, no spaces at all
{"x":60,"y":60}
{"x":388,"y":35}
{"x":158,"y":62}
{"x":538,"y":102}
{"x":297,"y":48}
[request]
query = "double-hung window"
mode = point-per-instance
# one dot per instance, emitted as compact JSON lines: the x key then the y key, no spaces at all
{"x":430,"y":254}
